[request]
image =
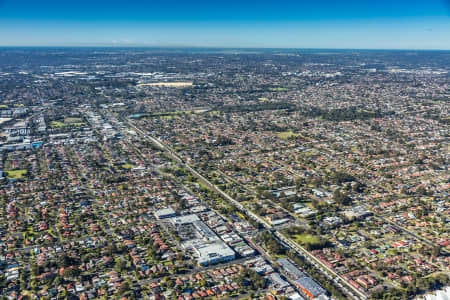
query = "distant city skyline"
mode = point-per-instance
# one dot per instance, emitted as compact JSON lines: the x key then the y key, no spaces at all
{"x":343,"y":24}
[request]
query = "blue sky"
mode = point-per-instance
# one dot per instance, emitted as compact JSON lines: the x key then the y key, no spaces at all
{"x":374,"y":24}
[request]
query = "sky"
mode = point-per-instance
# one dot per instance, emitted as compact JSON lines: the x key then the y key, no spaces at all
{"x":346,"y":24}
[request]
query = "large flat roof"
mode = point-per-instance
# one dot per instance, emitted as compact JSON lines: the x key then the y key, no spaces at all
{"x":311,"y":286}
{"x":164,"y":212}
{"x":210,"y":252}
{"x":182,"y":220}
{"x":291,"y":268}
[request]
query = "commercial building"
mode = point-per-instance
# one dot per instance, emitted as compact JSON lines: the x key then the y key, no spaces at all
{"x":209,"y":254}
{"x":291,"y":270}
{"x":310,"y":288}
{"x":165,"y":213}
{"x":183,"y":220}
{"x":207,"y":246}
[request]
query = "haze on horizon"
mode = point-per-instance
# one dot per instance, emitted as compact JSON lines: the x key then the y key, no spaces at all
{"x":362,"y":24}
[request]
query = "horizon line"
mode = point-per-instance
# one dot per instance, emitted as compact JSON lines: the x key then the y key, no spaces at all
{"x":131,"y":46}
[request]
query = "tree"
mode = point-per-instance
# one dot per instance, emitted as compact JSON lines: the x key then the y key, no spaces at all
{"x":254,"y":281}
{"x":421,"y":190}
{"x":270,"y":243}
{"x":111,"y":249}
{"x":125,"y":287}
{"x":120,"y":265}
{"x":170,"y":283}
{"x":70,"y":272}
{"x":341,"y":177}
{"x":65,"y":261}
{"x":35,"y":270}
{"x":341,"y":198}
{"x":436,"y":251}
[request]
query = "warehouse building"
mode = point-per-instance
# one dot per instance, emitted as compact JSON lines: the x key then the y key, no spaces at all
{"x":165,"y":213}
{"x":209,"y":254}
{"x":205,"y":244}
{"x":310,"y":288}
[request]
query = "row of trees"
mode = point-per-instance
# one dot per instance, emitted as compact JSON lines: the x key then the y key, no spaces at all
{"x":256,"y":107}
{"x":346,"y":114}
{"x":270,"y":243}
{"x":251,"y":279}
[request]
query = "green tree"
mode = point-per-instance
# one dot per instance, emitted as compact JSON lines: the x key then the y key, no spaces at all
{"x":71,"y":272}
{"x":125,"y":287}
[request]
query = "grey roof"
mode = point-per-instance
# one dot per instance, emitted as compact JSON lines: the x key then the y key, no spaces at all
{"x":277,"y":280}
{"x":164,"y":212}
{"x":182,"y":220}
{"x":311,"y":286}
{"x":290,"y":268}
{"x":205,"y":231}
{"x":210,"y":252}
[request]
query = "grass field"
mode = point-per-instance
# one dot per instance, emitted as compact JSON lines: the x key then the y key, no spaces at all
{"x":213,"y":112}
{"x":67,"y":122}
{"x":127,"y":166}
{"x":306,"y":239}
{"x":73,"y":120}
{"x":16,"y":174}
{"x":56,"y":124}
{"x":279,"y":89}
{"x":286,"y":134}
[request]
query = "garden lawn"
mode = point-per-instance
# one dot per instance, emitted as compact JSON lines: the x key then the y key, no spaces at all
{"x":16,"y":174}
{"x":307,"y":239}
